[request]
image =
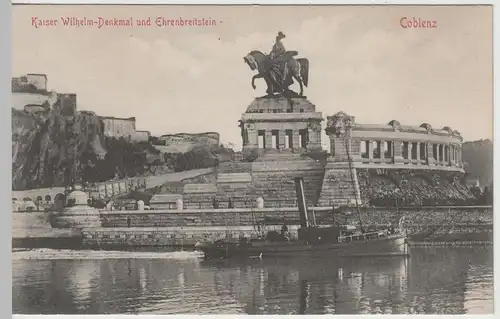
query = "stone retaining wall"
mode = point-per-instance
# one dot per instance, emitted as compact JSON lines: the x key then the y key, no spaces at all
{"x":194,"y":217}
{"x":30,"y":220}
{"x":167,"y":236}
{"x":186,"y":227}
{"x":473,"y":215}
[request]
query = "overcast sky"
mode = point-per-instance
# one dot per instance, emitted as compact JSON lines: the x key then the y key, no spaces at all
{"x":193,"y":79}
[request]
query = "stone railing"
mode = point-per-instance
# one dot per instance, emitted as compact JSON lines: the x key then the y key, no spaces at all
{"x":111,"y":189}
{"x":49,"y":199}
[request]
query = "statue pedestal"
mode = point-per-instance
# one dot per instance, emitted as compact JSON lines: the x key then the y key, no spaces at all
{"x":280,"y":123}
{"x":77,"y":214}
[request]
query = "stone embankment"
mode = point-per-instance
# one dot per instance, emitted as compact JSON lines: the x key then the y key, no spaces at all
{"x":426,"y":226}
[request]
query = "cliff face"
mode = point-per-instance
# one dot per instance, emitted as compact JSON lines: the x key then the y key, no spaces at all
{"x":46,"y":144}
{"x":53,"y":147}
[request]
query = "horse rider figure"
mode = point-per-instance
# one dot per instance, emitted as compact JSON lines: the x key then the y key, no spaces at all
{"x":278,"y":60}
{"x":278,"y":47}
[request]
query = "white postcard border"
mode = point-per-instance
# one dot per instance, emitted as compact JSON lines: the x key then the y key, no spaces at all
{"x":5,"y":97}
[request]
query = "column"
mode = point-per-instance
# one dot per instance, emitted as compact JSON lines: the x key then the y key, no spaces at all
{"x":281,"y":139}
{"x":245,"y":137}
{"x":418,"y":152}
{"x":460,"y":156}
{"x":370,"y":150}
{"x":448,"y":152}
{"x":441,"y":152}
{"x":454,"y":154}
{"x":397,"y":151}
{"x":410,"y":146}
{"x":268,"y":138}
{"x":355,"y":149}
{"x":438,"y":155}
{"x":295,"y":138}
{"x":253,"y":139}
{"x":430,"y":154}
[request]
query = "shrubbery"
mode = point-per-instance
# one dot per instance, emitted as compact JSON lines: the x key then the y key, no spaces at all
{"x":123,"y":159}
{"x":201,"y":156}
{"x":250,"y":155}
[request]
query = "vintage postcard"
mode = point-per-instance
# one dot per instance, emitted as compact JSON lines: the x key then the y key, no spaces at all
{"x":252,"y":159}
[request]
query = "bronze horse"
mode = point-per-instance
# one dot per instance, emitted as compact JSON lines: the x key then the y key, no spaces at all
{"x":297,"y":69}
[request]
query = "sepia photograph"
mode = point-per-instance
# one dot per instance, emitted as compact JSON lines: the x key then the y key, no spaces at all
{"x":252,"y":159}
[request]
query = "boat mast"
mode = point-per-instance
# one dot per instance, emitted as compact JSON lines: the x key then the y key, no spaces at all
{"x":301,"y":201}
{"x":353,"y":183}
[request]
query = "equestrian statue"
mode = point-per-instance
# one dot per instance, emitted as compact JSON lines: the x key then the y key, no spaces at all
{"x":279,"y":68}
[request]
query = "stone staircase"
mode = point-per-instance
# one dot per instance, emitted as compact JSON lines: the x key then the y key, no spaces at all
{"x":270,"y":176}
{"x":199,"y":196}
{"x":234,"y":181}
{"x":234,"y":167}
{"x":237,"y":187}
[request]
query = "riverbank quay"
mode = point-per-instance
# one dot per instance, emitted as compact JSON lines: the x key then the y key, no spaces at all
{"x":46,"y":238}
{"x":426,"y":226}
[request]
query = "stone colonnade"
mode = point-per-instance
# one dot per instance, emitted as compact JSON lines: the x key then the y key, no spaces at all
{"x":392,"y":143}
{"x":409,"y":151}
{"x":294,"y":138}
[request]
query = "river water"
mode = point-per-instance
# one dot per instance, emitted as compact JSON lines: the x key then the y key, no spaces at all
{"x":432,"y":281}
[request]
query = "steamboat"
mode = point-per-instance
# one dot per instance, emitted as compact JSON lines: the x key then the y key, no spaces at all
{"x":314,"y":240}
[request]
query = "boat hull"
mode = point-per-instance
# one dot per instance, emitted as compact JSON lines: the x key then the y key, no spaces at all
{"x":394,"y":245}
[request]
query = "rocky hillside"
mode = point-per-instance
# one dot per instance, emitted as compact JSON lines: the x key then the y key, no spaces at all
{"x":185,"y":142}
{"x":58,"y":145}
{"x":478,"y":160}
{"x":50,"y":148}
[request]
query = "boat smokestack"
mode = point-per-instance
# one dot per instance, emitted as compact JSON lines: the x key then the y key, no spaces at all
{"x":301,"y":201}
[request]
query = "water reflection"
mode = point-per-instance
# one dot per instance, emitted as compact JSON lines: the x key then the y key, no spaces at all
{"x":450,"y":281}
